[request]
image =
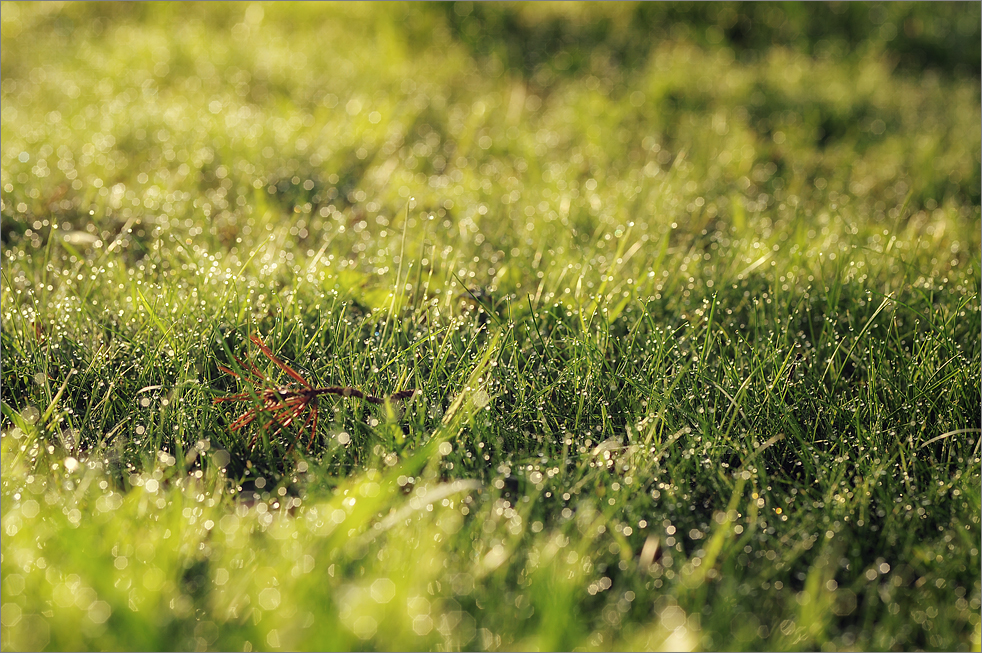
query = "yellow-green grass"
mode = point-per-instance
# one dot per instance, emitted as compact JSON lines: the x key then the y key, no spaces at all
{"x":694,"y":327}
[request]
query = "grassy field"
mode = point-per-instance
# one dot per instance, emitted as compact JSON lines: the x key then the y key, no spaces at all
{"x":688,"y":297}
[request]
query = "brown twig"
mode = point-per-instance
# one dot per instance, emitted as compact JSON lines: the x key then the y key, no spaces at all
{"x":284,"y":404}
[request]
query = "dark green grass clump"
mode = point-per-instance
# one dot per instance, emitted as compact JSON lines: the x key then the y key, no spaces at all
{"x":694,"y":336}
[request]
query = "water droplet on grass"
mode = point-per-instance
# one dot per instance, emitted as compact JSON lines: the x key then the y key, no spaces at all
{"x":30,"y":414}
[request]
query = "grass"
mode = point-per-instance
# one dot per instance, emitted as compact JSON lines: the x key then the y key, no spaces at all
{"x":694,"y":333}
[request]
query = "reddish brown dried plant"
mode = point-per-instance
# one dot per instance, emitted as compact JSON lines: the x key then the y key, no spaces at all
{"x":285,"y":404}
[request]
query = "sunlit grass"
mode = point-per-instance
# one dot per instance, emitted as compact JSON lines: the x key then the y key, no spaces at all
{"x":695,"y":343}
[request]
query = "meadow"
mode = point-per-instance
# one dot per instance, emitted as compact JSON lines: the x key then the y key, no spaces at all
{"x":682,"y":302}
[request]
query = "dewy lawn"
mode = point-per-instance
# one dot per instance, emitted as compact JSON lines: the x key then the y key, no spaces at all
{"x":675,"y":333}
